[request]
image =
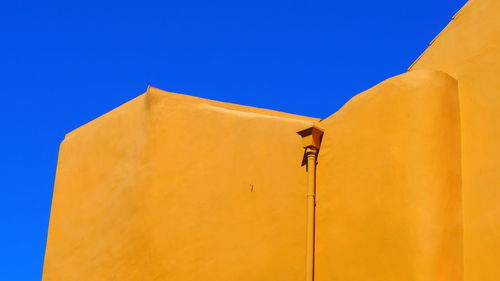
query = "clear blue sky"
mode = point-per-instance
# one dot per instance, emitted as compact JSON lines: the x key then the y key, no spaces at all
{"x":63,"y":63}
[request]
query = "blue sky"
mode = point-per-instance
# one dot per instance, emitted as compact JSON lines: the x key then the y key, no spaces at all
{"x":65,"y":63}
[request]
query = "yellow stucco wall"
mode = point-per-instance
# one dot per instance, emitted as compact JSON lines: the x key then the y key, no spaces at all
{"x":469,"y":50}
{"x":388,"y":184}
{"x":172,"y":187}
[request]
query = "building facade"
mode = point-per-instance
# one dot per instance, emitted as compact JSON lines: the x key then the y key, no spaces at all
{"x":402,"y":183}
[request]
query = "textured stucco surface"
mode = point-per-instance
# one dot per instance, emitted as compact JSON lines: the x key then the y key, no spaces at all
{"x":469,"y":50}
{"x":172,"y":187}
{"x":388,"y":184}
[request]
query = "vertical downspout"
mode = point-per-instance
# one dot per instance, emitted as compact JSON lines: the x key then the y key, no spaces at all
{"x":311,"y":154}
{"x":311,"y":141}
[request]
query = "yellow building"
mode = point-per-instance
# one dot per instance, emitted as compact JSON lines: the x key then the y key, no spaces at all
{"x":406,"y":187}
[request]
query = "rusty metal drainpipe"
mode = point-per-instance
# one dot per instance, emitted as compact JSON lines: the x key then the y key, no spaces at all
{"x":311,"y":141}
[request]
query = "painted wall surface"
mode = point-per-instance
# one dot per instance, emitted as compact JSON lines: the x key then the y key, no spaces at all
{"x":469,"y":50}
{"x":171,"y":187}
{"x":388,"y":184}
